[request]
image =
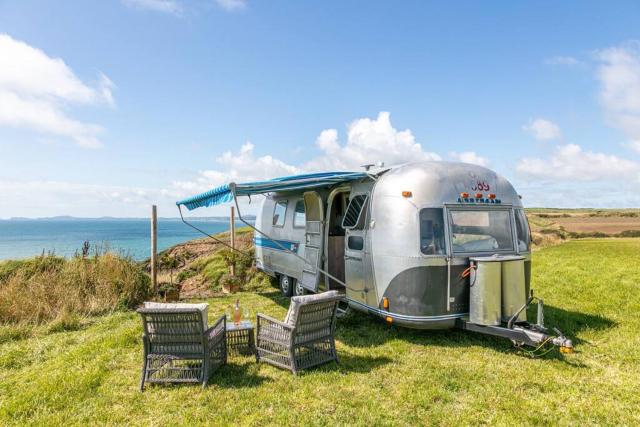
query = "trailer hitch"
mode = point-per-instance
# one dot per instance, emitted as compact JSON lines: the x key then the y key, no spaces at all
{"x":534,"y":335}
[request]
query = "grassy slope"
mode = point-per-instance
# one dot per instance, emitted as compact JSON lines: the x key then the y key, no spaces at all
{"x":387,"y":375}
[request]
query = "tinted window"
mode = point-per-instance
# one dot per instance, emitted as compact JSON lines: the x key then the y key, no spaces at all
{"x":481,"y":231}
{"x":299,"y":218}
{"x":432,"y":231}
{"x":522,"y":230}
{"x":352,"y":218}
{"x":279,"y":213}
{"x":356,"y":243}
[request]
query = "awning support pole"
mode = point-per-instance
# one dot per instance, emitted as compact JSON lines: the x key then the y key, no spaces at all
{"x":209,"y":235}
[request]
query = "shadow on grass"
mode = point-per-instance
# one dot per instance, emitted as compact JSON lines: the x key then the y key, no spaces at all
{"x":360,"y":364}
{"x":349,"y":363}
{"x":360,"y":330}
{"x":234,"y":375}
{"x":278,"y":298}
{"x":573,"y":322}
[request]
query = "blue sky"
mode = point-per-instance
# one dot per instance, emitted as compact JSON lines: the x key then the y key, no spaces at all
{"x":107,"y":107}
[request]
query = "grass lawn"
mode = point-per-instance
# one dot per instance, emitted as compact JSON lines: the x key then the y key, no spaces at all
{"x":387,"y":375}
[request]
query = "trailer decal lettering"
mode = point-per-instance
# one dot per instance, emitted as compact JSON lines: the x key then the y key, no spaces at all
{"x":481,"y":186}
{"x":479,"y":200}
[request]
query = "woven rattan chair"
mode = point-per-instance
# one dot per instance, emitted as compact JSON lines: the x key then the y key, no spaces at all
{"x":305,"y":338}
{"x":178,"y":346}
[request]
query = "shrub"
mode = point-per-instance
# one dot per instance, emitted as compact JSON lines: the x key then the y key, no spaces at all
{"x":48,"y":287}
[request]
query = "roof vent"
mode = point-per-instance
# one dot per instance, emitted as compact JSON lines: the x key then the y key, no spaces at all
{"x":368,"y":166}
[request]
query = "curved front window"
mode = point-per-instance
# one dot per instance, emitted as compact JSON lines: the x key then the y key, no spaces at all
{"x":522,"y":231}
{"x":475,"y":230}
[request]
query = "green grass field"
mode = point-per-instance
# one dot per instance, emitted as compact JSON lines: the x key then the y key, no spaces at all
{"x":387,"y":375}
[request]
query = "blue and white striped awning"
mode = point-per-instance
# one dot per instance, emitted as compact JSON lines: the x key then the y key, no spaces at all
{"x":225,"y":193}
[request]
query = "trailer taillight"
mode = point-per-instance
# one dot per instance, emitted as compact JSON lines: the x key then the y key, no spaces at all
{"x":491,"y":196}
{"x":389,"y":319}
{"x":464,"y":195}
{"x":385,"y":303}
{"x":478,"y":195}
{"x":407,"y":194}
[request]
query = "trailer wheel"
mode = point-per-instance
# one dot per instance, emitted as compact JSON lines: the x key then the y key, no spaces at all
{"x":298,"y":289}
{"x":285,"y":285}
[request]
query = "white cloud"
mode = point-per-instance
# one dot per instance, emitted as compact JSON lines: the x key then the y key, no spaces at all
{"x":35,"y":89}
{"x":368,"y":141}
{"x":165,"y":6}
{"x":570,"y":162}
{"x":543,"y":130}
{"x":634,"y":145}
{"x":469,"y":157}
{"x":232,"y":5}
{"x":241,"y":166}
{"x":562,"y":60}
{"x":619,"y":75}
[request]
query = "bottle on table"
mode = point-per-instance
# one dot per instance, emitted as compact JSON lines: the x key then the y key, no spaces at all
{"x":237,"y":314}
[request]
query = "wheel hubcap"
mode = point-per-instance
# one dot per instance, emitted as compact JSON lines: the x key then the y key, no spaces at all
{"x":285,"y":284}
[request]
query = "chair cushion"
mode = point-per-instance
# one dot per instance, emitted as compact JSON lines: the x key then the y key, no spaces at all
{"x":296,"y":302}
{"x":203,"y":308}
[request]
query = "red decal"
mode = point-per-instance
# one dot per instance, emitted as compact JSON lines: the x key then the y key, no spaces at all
{"x":481,"y":186}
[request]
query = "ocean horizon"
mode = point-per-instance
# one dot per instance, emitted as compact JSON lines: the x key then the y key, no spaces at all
{"x":24,"y":238}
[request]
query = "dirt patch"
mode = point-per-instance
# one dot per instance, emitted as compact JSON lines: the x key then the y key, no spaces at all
{"x":607,"y":225}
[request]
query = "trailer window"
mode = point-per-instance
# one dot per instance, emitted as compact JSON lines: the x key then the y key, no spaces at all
{"x":522,"y":231}
{"x":432,"y":231}
{"x":481,"y":231}
{"x":299,"y":217}
{"x":355,"y":243}
{"x":279,"y":213}
{"x":354,"y":217}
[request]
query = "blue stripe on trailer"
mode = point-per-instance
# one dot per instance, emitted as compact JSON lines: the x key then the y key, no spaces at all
{"x":263,"y":242}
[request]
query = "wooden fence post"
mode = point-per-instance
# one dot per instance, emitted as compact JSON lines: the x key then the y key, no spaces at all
{"x":154,"y":249}
{"x":232,"y":233}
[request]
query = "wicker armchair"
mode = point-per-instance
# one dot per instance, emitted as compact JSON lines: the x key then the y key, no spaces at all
{"x":178,"y":346}
{"x":305,"y":338}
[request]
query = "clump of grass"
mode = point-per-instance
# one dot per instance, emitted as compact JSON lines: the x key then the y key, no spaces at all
{"x":49,"y":288}
{"x":65,"y":321}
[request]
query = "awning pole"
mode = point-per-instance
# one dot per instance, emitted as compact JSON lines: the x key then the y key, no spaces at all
{"x":235,"y":199}
{"x":209,"y":235}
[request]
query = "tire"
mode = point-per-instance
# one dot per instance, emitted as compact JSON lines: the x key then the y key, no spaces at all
{"x":298,"y":290}
{"x":286,"y":285}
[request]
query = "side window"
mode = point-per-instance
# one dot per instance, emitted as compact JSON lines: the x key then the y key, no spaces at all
{"x":355,"y":243}
{"x":522,"y":230}
{"x":279,"y":213}
{"x":432,"y":231}
{"x":356,"y":212}
{"x":299,"y":218}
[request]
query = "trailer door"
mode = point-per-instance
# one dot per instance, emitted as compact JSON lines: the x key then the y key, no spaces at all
{"x":314,"y":232}
{"x":354,"y":254}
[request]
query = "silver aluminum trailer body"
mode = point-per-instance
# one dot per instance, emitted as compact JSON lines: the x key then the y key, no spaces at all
{"x":402,"y":255}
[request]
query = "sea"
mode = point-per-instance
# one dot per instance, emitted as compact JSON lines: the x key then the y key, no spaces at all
{"x":24,"y":238}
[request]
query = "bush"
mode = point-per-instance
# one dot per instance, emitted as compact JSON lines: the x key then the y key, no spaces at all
{"x":48,"y":288}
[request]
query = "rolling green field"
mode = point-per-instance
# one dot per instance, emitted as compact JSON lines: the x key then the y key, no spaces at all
{"x":387,"y":375}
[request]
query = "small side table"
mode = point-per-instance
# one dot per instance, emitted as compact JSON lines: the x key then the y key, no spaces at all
{"x":240,"y":338}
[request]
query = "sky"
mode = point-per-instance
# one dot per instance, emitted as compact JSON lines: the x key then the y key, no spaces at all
{"x":108,"y":107}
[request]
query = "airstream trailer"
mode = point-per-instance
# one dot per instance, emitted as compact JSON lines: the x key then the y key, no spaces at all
{"x":428,"y":245}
